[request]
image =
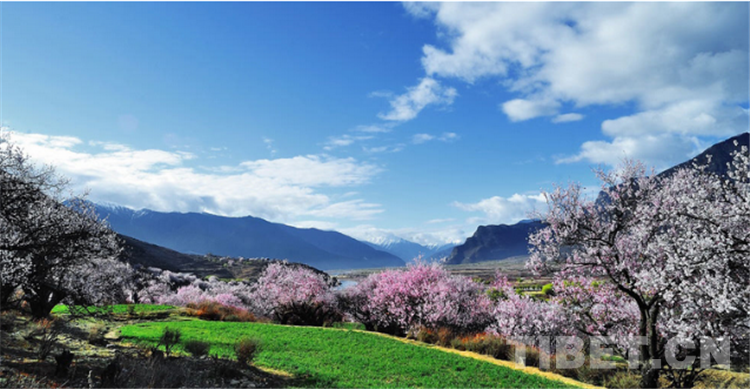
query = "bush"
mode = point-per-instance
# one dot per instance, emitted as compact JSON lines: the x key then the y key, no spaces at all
{"x":444,"y":336}
{"x":548,"y":290}
{"x":307,"y":314}
{"x":197,"y":348}
{"x":169,"y":338}
{"x":245,"y":350}
{"x":494,"y":346}
{"x":215,"y":311}
{"x":458,"y":344}
{"x":426,"y":335}
{"x":47,"y":331}
{"x":8,"y":321}
{"x":96,"y":334}
{"x":623,"y":380}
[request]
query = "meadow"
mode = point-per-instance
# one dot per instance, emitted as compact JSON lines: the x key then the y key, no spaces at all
{"x":343,"y":358}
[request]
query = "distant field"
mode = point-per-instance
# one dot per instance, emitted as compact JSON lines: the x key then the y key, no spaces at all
{"x":117,"y":309}
{"x":338,"y":358}
{"x":513,"y":267}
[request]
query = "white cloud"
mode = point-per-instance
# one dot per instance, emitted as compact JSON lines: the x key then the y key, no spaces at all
{"x":505,"y":210}
{"x":683,"y":66}
{"x":448,"y":137}
{"x":440,"y":221}
{"x":408,"y":105}
{"x":385,"y":149}
{"x":567,"y":117}
{"x":344,"y":140}
{"x":421,"y":138}
{"x":444,"y":137}
{"x":374,"y":128}
{"x":521,"y":109}
{"x":660,"y":150}
{"x":282,"y":189}
{"x":269,"y":145}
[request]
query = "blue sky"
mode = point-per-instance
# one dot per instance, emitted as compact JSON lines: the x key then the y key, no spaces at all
{"x":374,"y":119}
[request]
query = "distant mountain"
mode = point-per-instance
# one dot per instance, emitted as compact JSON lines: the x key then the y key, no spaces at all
{"x":495,"y":242}
{"x":201,"y":233}
{"x":503,"y":241}
{"x":408,"y":251}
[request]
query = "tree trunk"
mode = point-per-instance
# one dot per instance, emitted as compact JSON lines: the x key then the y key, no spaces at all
{"x":41,"y":300}
{"x":650,"y":377}
{"x":650,"y":372}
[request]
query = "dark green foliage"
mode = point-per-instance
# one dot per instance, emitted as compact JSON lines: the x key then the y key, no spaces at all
{"x":197,"y":348}
{"x":169,"y":338}
{"x":245,"y":350}
{"x":307,"y":314}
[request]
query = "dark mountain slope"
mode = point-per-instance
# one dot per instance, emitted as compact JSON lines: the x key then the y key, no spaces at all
{"x":495,"y":242}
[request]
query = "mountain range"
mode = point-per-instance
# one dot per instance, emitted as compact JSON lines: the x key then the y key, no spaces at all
{"x":409,"y":251}
{"x":197,"y":234}
{"x":202,"y":233}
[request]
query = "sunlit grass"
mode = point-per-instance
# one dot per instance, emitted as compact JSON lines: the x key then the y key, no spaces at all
{"x":321,"y":357}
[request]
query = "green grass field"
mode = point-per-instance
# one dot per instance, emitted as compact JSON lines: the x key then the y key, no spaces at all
{"x":339,"y":358}
{"x":115,"y":309}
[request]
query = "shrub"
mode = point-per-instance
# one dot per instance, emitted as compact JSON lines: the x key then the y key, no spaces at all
{"x":8,"y":321}
{"x":47,"y":331}
{"x":169,"y":338}
{"x":245,"y":350}
{"x":444,"y":336}
{"x":458,"y":344}
{"x":215,"y":311}
{"x":307,"y":314}
{"x":197,"y":348}
{"x":623,"y":380}
{"x":426,"y":335}
{"x":96,"y":334}
{"x":494,"y":346}
{"x":548,"y":290}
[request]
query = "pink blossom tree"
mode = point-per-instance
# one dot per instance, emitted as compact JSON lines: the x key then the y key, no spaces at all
{"x":297,"y":291}
{"x":518,"y":316}
{"x":396,"y":301}
{"x":673,"y":252}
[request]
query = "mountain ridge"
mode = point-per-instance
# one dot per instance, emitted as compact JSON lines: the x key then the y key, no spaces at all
{"x":248,"y":236}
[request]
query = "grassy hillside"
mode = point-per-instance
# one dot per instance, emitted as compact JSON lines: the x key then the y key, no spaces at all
{"x":339,"y":358}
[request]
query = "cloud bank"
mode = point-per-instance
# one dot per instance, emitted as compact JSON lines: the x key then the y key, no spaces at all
{"x":682,"y":66}
{"x":281,"y":189}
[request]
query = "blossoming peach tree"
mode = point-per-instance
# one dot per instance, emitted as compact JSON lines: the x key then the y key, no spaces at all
{"x":659,"y":260}
{"x":52,"y":250}
{"x":422,"y":295}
